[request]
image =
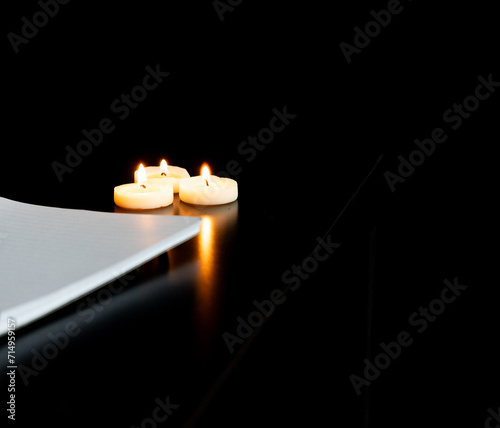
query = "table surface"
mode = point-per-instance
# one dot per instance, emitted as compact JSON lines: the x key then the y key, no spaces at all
{"x":161,"y":333}
{"x":415,"y":265}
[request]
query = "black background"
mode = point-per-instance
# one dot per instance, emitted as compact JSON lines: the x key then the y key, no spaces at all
{"x":226,"y":77}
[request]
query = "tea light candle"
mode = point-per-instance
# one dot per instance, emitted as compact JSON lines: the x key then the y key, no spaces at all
{"x":208,"y":189}
{"x":164,"y":174}
{"x":143,"y":195}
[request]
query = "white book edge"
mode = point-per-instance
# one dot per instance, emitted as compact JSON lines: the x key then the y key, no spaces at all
{"x":38,"y":308}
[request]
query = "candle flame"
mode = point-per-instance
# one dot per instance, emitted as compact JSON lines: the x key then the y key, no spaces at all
{"x":164,"y":167}
{"x":205,"y":173}
{"x":141,"y":176}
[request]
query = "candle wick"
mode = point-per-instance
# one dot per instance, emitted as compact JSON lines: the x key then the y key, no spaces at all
{"x":164,"y":174}
{"x":206,"y":181}
{"x":143,"y":186}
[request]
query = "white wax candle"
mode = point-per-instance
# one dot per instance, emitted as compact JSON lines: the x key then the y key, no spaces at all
{"x":208,"y":190}
{"x":163,"y":174}
{"x":142,"y":195}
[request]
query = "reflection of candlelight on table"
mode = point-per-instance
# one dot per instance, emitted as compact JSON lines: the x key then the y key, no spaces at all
{"x":218,"y":227}
{"x":206,"y":239}
{"x":206,"y":290}
{"x":205,"y":256}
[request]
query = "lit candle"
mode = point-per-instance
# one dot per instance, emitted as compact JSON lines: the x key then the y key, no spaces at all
{"x":143,"y":195}
{"x":164,"y":174}
{"x":206,"y":189}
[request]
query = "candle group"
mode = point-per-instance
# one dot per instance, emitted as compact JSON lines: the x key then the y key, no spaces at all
{"x":154,"y":187}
